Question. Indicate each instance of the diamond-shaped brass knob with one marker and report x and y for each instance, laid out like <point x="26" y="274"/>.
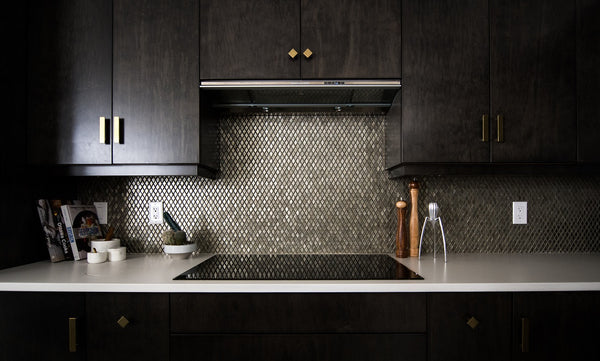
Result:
<point x="472" y="322"/>
<point x="123" y="322"/>
<point x="307" y="53"/>
<point x="293" y="53"/>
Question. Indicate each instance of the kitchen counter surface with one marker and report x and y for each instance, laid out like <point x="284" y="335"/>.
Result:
<point x="462" y="273"/>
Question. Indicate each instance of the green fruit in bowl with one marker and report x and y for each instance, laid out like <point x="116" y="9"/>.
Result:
<point x="174" y="238"/>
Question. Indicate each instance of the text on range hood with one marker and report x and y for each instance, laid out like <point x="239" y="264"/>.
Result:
<point x="301" y="95"/>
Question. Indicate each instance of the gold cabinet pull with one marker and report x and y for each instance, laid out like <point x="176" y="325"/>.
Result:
<point x="473" y="322"/>
<point x="102" y="130"/>
<point x="293" y="53"/>
<point x="500" y="128"/>
<point x="72" y="334"/>
<point x="117" y="130"/>
<point x="524" y="334"/>
<point x="123" y="322"/>
<point x="485" y="131"/>
<point x="307" y="53"/>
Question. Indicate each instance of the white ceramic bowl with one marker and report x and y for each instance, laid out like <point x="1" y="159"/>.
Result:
<point x="97" y="257"/>
<point x="180" y="251"/>
<point x="102" y="246"/>
<point x="117" y="254"/>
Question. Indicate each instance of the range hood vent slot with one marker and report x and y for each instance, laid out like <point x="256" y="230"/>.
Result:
<point x="304" y="95"/>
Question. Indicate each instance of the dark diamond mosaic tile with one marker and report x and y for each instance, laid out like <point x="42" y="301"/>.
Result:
<point x="315" y="183"/>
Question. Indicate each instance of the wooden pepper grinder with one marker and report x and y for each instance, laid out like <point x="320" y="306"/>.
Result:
<point x="401" y="236"/>
<point x="414" y="218"/>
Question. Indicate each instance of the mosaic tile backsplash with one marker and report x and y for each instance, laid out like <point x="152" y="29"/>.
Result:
<point x="315" y="183"/>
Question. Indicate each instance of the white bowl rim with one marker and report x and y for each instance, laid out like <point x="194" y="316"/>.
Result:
<point x="180" y="248"/>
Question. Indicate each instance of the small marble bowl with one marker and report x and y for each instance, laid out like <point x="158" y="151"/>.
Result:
<point x="97" y="257"/>
<point x="180" y="251"/>
<point x="102" y="246"/>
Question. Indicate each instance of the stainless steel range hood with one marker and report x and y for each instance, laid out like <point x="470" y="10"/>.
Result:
<point x="365" y="96"/>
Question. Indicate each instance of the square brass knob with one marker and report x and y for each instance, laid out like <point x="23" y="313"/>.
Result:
<point x="307" y="53"/>
<point x="292" y="53"/>
<point x="123" y="322"/>
<point x="472" y="322"/>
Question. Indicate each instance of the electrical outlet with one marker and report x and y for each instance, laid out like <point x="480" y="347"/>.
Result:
<point x="519" y="212"/>
<point x="156" y="213"/>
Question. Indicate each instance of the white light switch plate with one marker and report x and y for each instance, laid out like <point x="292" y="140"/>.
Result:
<point x="519" y="212"/>
<point x="102" y="210"/>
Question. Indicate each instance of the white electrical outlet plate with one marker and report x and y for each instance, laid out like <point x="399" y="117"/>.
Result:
<point x="156" y="213"/>
<point x="519" y="212"/>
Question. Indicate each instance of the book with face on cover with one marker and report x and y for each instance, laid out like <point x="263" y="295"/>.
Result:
<point x="82" y="227"/>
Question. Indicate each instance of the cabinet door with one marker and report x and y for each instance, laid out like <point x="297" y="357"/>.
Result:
<point x="558" y="326"/>
<point x="249" y="39"/>
<point x="533" y="80"/>
<point x="351" y="39"/>
<point x="145" y="335"/>
<point x="155" y="81"/>
<point x="69" y="81"/>
<point x="35" y="326"/>
<point x="588" y="79"/>
<point x="445" y="82"/>
<point x="469" y="326"/>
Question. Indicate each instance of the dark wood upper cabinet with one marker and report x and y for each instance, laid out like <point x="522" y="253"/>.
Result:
<point x="533" y="80"/>
<point x="445" y="81"/>
<point x="155" y="87"/>
<point x="588" y="80"/>
<point x="69" y="81"/>
<point x="253" y="39"/>
<point x="249" y="39"/>
<point x="496" y="89"/>
<point x="133" y="61"/>
<point x="351" y="39"/>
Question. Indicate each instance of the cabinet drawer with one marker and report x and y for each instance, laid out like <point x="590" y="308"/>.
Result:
<point x="315" y="312"/>
<point x="145" y="334"/>
<point x="299" y="347"/>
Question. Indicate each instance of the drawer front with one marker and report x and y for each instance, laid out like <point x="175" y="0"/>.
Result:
<point x="145" y="334"/>
<point x="315" y="312"/>
<point x="301" y="347"/>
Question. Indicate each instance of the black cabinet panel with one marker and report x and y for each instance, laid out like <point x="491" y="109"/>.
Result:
<point x="145" y="337"/>
<point x="588" y="79"/>
<point x="35" y="326"/>
<point x="69" y="81"/>
<point x="351" y="39"/>
<point x="155" y="81"/>
<point x="560" y="326"/>
<point x="249" y="39"/>
<point x="445" y="81"/>
<point x="533" y="80"/>
<point x="354" y="312"/>
<point x="302" y="347"/>
<point x="469" y="326"/>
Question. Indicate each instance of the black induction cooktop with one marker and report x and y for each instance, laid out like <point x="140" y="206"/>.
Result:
<point x="300" y="267"/>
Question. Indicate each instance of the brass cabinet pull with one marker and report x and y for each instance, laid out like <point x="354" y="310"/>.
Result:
<point x="500" y="128"/>
<point x="293" y="53"/>
<point x="117" y="130"/>
<point x="473" y="322"/>
<point x="102" y="130"/>
<point x="524" y="334"/>
<point x="485" y="123"/>
<point x="72" y="334"/>
<point x="123" y="322"/>
<point x="307" y="53"/>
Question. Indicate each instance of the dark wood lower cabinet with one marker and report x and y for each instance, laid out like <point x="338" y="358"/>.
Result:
<point x="469" y="326"/>
<point x="556" y="326"/>
<point x="300" y="347"/>
<point x="35" y="326"/>
<point x="145" y="334"/>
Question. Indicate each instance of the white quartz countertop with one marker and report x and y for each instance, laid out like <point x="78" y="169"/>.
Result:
<point x="462" y="273"/>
